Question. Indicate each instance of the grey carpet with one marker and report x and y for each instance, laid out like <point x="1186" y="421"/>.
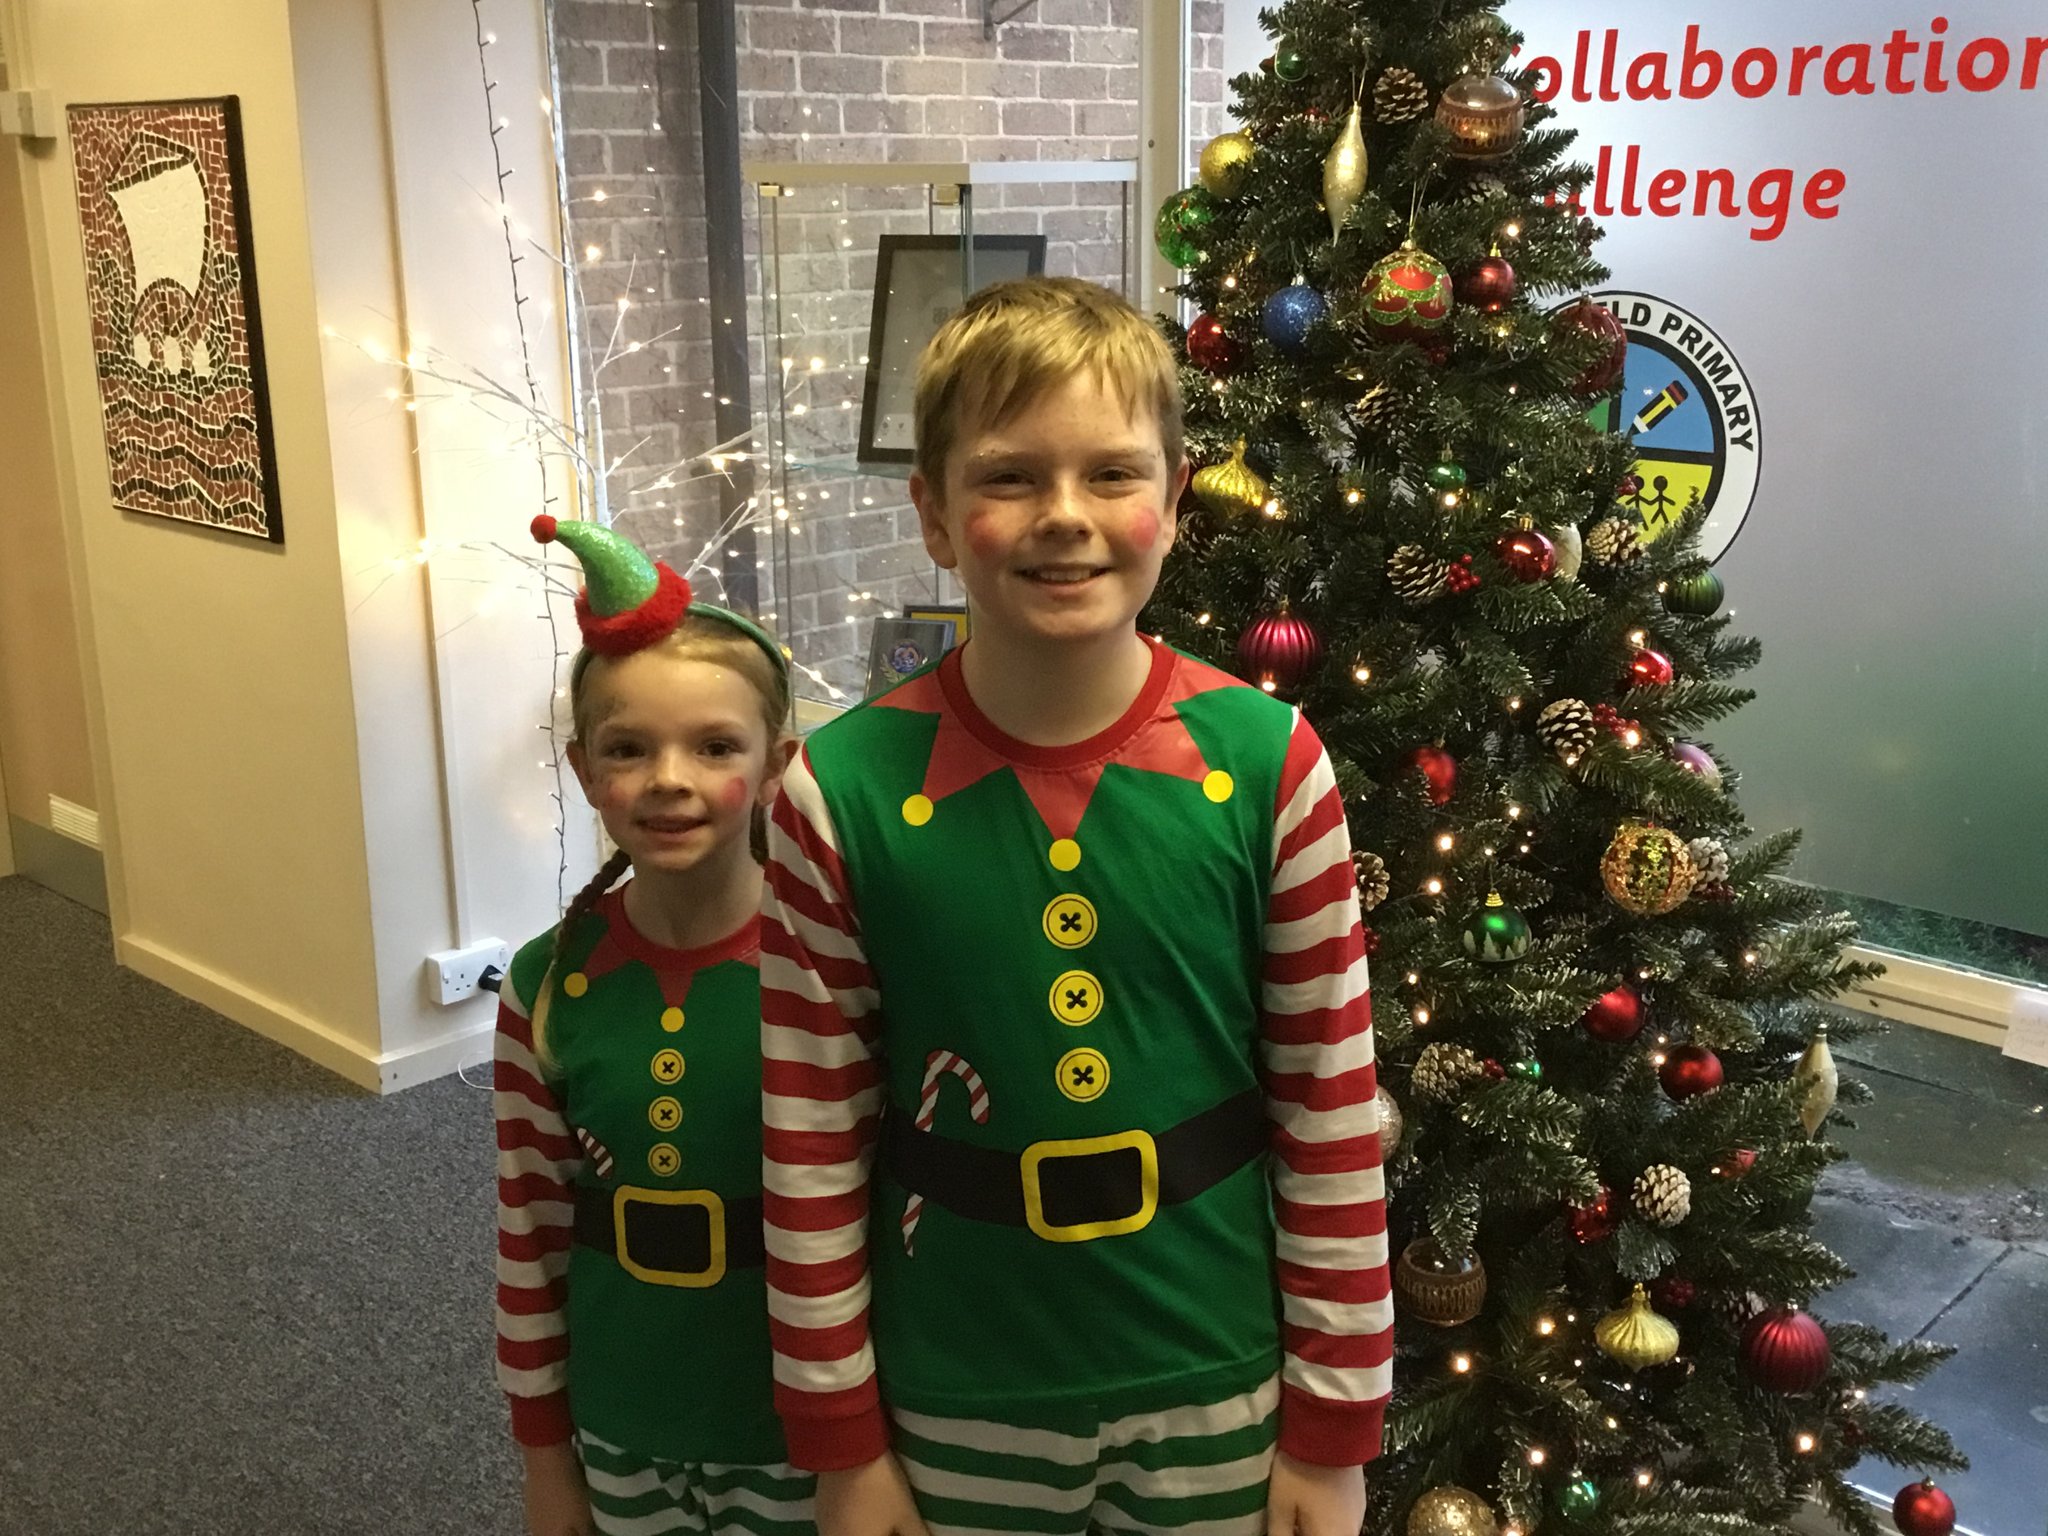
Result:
<point x="236" y="1294"/>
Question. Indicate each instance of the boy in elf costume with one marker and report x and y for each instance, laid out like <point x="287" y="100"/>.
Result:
<point x="1073" y="1199"/>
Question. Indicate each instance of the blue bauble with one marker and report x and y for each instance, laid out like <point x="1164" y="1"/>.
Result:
<point x="1289" y="316"/>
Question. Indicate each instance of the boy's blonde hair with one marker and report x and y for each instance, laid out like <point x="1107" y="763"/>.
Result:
<point x="697" y="638"/>
<point x="1013" y="341"/>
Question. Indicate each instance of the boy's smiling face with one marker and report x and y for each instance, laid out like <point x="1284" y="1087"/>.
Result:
<point x="1057" y="520"/>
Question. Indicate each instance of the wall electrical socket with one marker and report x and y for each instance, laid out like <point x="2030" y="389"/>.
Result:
<point x="28" y="114"/>
<point x="453" y="974"/>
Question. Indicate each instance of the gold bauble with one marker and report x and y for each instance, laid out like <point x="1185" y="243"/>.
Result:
<point x="1635" y="1335"/>
<point x="1484" y="114"/>
<point x="1819" y="1083"/>
<point x="1227" y="164"/>
<point x="1452" y="1511"/>
<point x="1648" y="869"/>
<point x="1232" y="486"/>
<point x="1571" y="551"/>
<point x="1439" y="1291"/>
<point x="1344" y="172"/>
<point x="1391" y="1126"/>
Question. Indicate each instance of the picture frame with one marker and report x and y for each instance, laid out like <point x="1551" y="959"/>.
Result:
<point x="953" y="615"/>
<point x="170" y="268"/>
<point x="899" y="647"/>
<point x="918" y="284"/>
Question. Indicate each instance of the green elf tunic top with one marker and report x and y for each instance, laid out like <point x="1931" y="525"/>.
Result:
<point x="1046" y="1031"/>
<point x="631" y="1298"/>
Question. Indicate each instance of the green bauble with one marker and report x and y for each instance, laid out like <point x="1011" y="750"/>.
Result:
<point x="1447" y="475"/>
<point x="1696" y="595"/>
<point x="1289" y="62"/>
<point x="1579" y="1498"/>
<point x="1530" y="1071"/>
<point x="1498" y="934"/>
<point x="1181" y="217"/>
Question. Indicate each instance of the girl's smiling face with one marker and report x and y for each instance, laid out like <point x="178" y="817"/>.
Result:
<point x="675" y="759"/>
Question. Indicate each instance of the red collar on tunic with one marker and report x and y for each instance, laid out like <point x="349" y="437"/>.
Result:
<point x="1150" y="736"/>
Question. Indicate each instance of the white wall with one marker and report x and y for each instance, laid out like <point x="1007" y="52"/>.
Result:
<point x="273" y="727"/>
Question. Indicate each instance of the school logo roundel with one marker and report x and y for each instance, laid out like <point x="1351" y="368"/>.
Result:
<point x="1688" y="408"/>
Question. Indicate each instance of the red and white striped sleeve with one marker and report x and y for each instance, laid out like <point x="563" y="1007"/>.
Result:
<point x="1329" y="1198"/>
<point x="538" y="1158"/>
<point x="821" y="1102"/>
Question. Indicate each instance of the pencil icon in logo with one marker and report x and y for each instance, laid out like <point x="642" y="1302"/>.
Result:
<point x="1671" y="399"/>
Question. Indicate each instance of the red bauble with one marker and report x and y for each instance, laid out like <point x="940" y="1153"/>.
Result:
<point x="1785" y="1350"/>
<point x="1527" y="554"/>
<point x="1439" y="767"/>
<point x="1597" y="320"/>
<point x="1490" y="285"/>
<point x="1596" y="1222"/>
<point x="1649" y="669"/>
<point x="1279" y="649"/>
<point x="1735" y="1162"/>
<point x="1674" y="1293"/>
<point x="1617" y="1016"/>
<point x="1690" y="1070"/>
<point x="1921" y="1509"/>
<point x="1408" y="298"/>
<point x="1630" y="485"/>
<point x="1212" y="348"/>
<point x="1494" y="1069"/>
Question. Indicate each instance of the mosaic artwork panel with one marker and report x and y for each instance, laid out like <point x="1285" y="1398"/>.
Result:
<point x="177" y="343"/>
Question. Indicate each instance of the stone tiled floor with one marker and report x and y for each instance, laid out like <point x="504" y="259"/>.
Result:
<point x="1944" y="1216"/>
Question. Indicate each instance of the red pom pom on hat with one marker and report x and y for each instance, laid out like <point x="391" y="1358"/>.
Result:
<point x="544" y="529"/>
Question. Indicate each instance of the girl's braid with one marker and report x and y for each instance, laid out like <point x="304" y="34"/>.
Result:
<point x="606" y="877"/>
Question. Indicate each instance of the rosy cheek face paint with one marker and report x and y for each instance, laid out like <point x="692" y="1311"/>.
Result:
<point x="1142" y="528"/>
<point x="733" y="795"/>
<point x="984" y="536"/>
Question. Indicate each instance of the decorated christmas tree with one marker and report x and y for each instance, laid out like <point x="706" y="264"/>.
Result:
<point x="1601" y="1004"/>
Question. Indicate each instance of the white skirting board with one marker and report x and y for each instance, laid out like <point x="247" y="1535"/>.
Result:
<point x="379" y="1073"/>
<point x="1969" y="1004"/>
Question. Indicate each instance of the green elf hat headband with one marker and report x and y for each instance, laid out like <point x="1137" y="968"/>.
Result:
<point x="629" y="602"/>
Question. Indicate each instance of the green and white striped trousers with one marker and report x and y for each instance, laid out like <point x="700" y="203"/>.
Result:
<point x="1198" y="1471"/>
<point x="633" y="1496"/>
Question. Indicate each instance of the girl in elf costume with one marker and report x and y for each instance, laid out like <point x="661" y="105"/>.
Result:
<point x="632" y="1312"/>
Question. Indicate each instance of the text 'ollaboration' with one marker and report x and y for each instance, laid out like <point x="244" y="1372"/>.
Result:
<point x="1904" y="64"/>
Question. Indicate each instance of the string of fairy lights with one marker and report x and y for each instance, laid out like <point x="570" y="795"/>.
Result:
<point x="429" y="377"/>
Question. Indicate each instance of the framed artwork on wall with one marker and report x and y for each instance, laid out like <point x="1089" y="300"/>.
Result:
<point x="170" y="277"/>
<point x="918" y="283"/>
<point x="899" y="647"/>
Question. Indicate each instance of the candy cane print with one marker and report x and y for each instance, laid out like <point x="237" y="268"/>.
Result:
<point x="595" y="1151"/>
<point x="937" y="1067"/>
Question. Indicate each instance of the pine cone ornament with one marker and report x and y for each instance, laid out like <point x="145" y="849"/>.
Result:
<point x="1663" y="1195"/>
<point x="1712" y="857"/>
<point x="1613" y="542"/>
<point x="1378" y="411"/>
<point x="1480" y="188"/>
<point x="1416" y="575"/>
<point x="1566" y="727"/>
<point x="1400" y="97"/>
<point x="1373" y="883"/>
<point x="1736" y="1308"/>
<point x="1444" y="1071"/>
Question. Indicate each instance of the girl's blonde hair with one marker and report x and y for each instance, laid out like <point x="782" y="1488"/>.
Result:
<point x="699" y="637"/>
<point x="1013" y="341"/>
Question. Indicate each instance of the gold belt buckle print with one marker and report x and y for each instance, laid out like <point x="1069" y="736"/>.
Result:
<point x="1036" y="1156"/>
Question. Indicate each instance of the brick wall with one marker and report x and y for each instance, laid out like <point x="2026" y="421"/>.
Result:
<point x="847" y="80"/>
